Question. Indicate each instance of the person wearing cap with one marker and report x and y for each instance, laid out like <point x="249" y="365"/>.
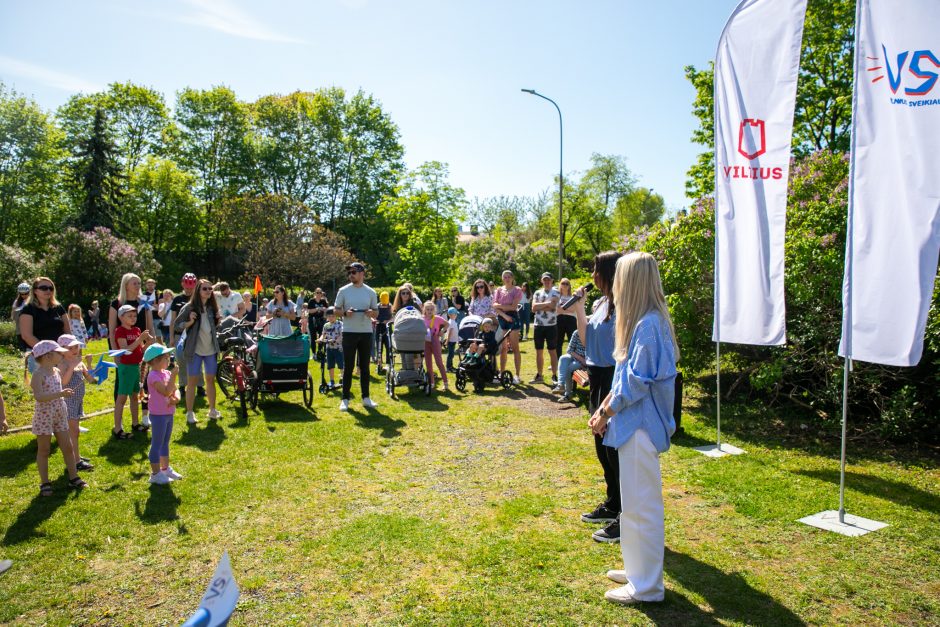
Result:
<point x="544" y="306"/>
<point x="359" y="304"/>
<point x="22" y="294"/>
<point x="161" y="379"/>
<point x="130" y="294"/>
<point x="188" y="285"/>
<point x="332" y="338"/>
<point x="74" y="373"/>
<point x="130" y="338"/>
<point x="198" y="318"/>
<point x="42" y="317"/>
<point x="50" y="416"/>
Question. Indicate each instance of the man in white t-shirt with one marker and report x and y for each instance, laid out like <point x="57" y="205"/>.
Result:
<point x="544" y="304"/>
<point x="230" y="302"/>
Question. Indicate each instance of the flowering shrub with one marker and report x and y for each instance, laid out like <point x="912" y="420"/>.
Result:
<point x="487" y="257"/>
<point x="807" y="371"/>
<point x="88" y="265"/>
<point x="16" y="266"/>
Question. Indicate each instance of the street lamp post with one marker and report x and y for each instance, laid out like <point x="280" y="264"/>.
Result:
<point x="561" y="182"/>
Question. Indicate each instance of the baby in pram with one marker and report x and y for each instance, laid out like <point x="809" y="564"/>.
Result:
<point x="483" y="344"/>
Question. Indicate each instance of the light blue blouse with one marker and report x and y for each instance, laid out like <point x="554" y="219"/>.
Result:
<point x="643" y="390"/>
<point x="599" y="336"/>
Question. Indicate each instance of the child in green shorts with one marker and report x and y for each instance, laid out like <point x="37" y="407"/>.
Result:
<point x="130" y="338"/>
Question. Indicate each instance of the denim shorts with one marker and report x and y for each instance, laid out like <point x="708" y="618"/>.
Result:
<point x="198" y="362"/>
<point x="334" y="359"/>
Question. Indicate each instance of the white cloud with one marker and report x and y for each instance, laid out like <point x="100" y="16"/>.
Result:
<point x="45" y="76"/>
<point x="225" y="17"/>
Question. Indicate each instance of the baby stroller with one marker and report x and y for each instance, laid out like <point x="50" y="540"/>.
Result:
<point x="482" y="372"/>
<point x="408" y="333"/>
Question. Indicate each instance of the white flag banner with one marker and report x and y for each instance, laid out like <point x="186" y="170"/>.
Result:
<point x="894" y="199"/>
<point x="756" y="70"/>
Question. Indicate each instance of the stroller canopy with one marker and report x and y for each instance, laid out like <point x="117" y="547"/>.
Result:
<point x="468" y="327"/>
<point x="409" y="331"/>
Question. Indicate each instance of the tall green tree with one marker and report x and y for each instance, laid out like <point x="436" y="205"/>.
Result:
<point x="424" y="213"/>
<point x="138" y="118"/>
<point x="100" y="177"/>
<point x="641" y="207"/>
<point x="31" y="156"/>
<point x="823" y="113"/>
<point x="161" y="208"/>
<point x="214" y="144"/>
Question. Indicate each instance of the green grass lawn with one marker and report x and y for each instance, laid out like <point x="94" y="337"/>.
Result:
<point x="457" y="509"/>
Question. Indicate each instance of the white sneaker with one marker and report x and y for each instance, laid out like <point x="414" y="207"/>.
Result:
<point x="214" y="414"/>
<point x="191" y="418"/>
<point x="516" y="381"/>
<point x="344" y="405"/>
<point x="172" y="474"/>
<point x="160" y="478"/>
<point x="617" y="576"/>
<point x="369" y="403"/>
<point x="146" y="419"/>
<point x="82" y="429"/>
<point x="621" y="596"/>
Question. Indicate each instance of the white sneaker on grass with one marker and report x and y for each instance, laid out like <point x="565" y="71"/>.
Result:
<point x="172" y="474"/>
<point x="214" y="414"/>
<point x="191" y="418"/>
<point x="621" y="595"/>
<point x="146" y="419"/>
<point x="82" y="429"/>
<point x="369" y="403"/>
<point x="344" y="405"/>
<point x="617" y="576"/>
<point x="160" y="478"/>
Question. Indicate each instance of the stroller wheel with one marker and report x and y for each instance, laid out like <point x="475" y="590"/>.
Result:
<point x="460" y="382"/>
<point x="505" y="380"/>
<point x="308" y="391"/>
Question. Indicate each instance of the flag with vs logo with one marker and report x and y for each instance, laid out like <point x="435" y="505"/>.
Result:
<point x="894" y="182"/>
<point x="756" y="70"/>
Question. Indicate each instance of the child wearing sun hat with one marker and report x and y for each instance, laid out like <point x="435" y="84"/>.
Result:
<point x="164" y="397"/>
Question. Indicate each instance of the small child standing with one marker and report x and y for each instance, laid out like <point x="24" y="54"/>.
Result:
<point x="575" y="358"/>
<point x="77" y="324"/>
<point x="451" y="337"/>
<point x="164" y="397"/>
<point x="332" y="336"/>
<point x="51" y="415"/>
<point x="436" y="329"/>
<point x="74" y="373"/>
<point x="130" y="338"/>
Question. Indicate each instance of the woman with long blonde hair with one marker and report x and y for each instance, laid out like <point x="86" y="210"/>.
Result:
<point x="636" y="419"/>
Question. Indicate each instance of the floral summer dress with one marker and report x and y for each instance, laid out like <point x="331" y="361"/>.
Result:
<point x="50" y="416"/>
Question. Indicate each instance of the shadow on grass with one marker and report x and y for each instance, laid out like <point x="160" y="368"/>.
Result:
<point x="278" y="410"/>
<point x="124" y="452"/>
<point x="417" y="400"/>
<point x="14" y="461"/>
<point x="208" y="438"/>
<point x="160" y="506"/>
<point x="903" y="494"/>
<point x="732" y="599"/>
<point x="374" y="419"/>
<point x="39" y="509"/>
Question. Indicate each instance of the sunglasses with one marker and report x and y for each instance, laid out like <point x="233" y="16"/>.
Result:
<point x="205" y="289"/>
<point x="44" y="288"/>
<point x="479" y="287"/>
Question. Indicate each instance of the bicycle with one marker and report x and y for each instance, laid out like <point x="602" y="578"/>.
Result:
<point x="236" y="373"/>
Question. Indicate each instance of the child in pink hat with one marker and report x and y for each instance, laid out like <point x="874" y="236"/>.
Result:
<point x="74" y="374"/>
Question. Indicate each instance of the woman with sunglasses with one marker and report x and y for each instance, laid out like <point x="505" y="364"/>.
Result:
<point x="441" y="304"/>
<point x="282" y="312"/>
<point x="567" y="320"/>
<point x="481" y="302"/>
<point x="199" y="318"/>
<point x="42" y="317"/>
<point x="405" y="297"/>
<point x="316" y="312"/>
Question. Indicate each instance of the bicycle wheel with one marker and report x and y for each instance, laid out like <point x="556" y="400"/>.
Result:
<point x="225" y="376"/>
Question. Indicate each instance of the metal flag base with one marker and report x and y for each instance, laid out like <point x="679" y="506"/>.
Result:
<point x="719" y="450"/>
<point x="853" y="526"/>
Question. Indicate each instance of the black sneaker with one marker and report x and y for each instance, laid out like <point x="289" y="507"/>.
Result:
<point x="83" y="465"/>
<point x="554" y="380"/>
<point x="610" y="533"/>
<point x="600" y="515"/>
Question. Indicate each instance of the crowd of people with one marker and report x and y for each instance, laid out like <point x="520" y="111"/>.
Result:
<point x="166" y="351"/>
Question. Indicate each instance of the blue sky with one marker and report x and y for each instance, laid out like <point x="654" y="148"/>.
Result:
<point x="449" y="73"/>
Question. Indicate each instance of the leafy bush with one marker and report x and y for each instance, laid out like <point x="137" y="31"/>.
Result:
<point x="897" y="402"/>
<point x="88" y="265"/>
<point x="487" y="257"/>
<point x="16" y="266"/>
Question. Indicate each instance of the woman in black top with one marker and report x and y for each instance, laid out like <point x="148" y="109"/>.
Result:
<point x="42" y="317"/>
<point x="567" y="321"/>
<point x="94" y="320"/>
<point x="316" y="310"/>
<point x="459" y="303"/>
<point x="251" y="312"/>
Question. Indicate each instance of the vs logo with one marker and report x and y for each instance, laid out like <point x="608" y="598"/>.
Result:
<point x="752" y="138"/>
<point x="919" y="66"/>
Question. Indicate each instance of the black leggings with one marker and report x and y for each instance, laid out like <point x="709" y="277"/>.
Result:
<point x="566" y="325"/>
<point x="601" y="378"/>
<point x="356" y="344"/>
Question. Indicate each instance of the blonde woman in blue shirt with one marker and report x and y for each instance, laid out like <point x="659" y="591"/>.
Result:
<point x="636" y="419"/>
